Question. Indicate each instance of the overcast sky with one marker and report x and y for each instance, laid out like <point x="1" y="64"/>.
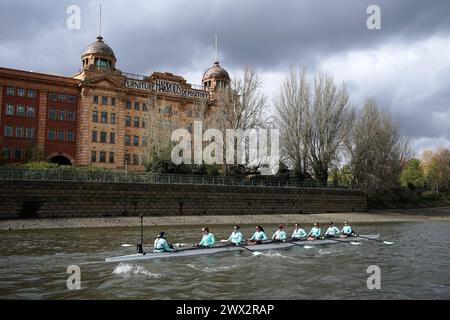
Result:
<point x="405" y="66"/>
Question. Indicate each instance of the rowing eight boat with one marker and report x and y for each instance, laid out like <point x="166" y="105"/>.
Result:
<point x="189" y="252"/>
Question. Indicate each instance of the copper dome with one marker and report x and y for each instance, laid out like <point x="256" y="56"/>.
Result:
<point x="99" y="47"/>
<point x="216" y="71"/>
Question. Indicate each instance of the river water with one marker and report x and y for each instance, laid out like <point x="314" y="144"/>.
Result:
<point x="33" y="265"/>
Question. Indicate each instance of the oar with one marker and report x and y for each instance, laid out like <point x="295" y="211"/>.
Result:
<point x="300" y="245"/>
<point x="385" y="242"/>
<point x="255" y="253"/>
<point x="334" y="239"/>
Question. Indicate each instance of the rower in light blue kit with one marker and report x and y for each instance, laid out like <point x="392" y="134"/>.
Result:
<point x="347" y="231"/>
<point x="207" y="239"/>
<point x="315" y="232"/>
<point x="298" y="233"/>
<point x="235" y="237"/>
<point x="332" y="231"/>
<point x="161" y="244"/>
<point x="280" y="234"/>
<point x="258" y="236"/>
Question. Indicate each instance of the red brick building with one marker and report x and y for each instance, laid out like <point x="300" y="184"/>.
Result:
<point x="101" y="115"/>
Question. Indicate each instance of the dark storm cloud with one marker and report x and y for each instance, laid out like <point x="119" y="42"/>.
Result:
<point x="178" y="36"/>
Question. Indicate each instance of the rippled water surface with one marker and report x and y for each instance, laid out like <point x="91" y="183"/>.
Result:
<point x="33" y="265"/>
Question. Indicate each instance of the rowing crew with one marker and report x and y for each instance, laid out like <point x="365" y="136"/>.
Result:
<point x="236" y="237"/>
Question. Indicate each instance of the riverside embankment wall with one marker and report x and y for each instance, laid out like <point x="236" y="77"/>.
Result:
<point x="48" y="199"/>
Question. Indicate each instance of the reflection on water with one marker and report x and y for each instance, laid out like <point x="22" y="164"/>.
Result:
<point x="33" y="265"/>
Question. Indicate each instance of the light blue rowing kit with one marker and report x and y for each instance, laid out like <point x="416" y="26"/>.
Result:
<point x="332" y="231"/>
<point x="315" y="232"/>
<point x="298" y="233"/>
<point x="259" y="235"/>
<point x="347" y="230"/>
<point x="236" y="237"/>
<point x="279" y="235"/>
<point x="161" y="245"/>
<point x="207" y="240"/>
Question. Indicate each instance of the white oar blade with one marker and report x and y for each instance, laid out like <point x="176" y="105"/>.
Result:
<point x="387" y="242"/>
<point x="223" y="240"/>
<point x="307" y="247"/>
<point x="355" y="243"/>
<point x="256" y="253"/>
<point x="126" y="245"/>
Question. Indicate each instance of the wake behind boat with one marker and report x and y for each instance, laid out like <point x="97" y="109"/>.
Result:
<point x="189" y="252"/>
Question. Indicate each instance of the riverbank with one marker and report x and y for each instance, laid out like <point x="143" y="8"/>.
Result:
<point x="395" y="215"/>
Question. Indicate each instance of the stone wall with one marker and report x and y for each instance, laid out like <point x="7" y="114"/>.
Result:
<point x="47" y="199"/>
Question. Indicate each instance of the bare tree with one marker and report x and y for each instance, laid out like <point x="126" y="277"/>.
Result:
<point x="329" y="119"/>
<point x="377" y="150"/>
<point x="242" y="106"/>
<point x="291" y="106"/>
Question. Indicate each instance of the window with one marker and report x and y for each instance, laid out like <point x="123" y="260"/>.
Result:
<point x="112" y="118"/>
<point x="9" y="110"/>
<point x="104" y="100"/>
<point x="20" y="110"/>
<point x="62" y="115"/>
<point x="71" y="116"/>
<point x="51" y="134"/>
<point x="128" y="104"/>
<point x="127" y="140"/>
<point x="136" y="122"/>
<point x="95" y="99"/>
<point x="70" y="136"/>
<point x="6" y="153"/>
<point x="144" y="123"/>
<point x="94" y="116"/>
<point x="103" y="137"/>
<point x="137" y="106"/>
<point x="104" y="117"/>
<point x="127" y="158"/>
<point x="144" y="107"/>
<point x="31" y="93"/>
<point x="30" y="112"/>
<point x="62" y="97"/>
<point x="60" y="135"/>
<point x="19" y="132"/>
<point x="135" y="159"/>
<point x="10" y="91"/>
<point x="112" y="137"/>
<point x="52" y="96"/>
<point x="94" y="136"/>
<point x="93" y="156"/>
<point x="29" y="133"/>
<point x="8" y="130"/>
<point x="113" y="101"/>
<point x="111" y="157"/>
<point x="102" y="156"/>
<point x="144" y="141"/>
<point x="52" y="114"/>
<point x="128" y="121"/>
<point x="136" y="140"/>
<point x="168" y="110"/>
<point x="18" y="153"/>
<point x="71" y="99"/>
<point x="21" y="92"/>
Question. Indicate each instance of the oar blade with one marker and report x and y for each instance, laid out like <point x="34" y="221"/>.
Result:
<point x="307" y="247"/>
<point x="355" y="243"/>
<point x="388" y="242"/>
<point x="126" y="245"/>
<point x="257" y="253"/>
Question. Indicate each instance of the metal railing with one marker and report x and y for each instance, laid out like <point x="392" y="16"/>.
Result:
<point x="81" y="175"/>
